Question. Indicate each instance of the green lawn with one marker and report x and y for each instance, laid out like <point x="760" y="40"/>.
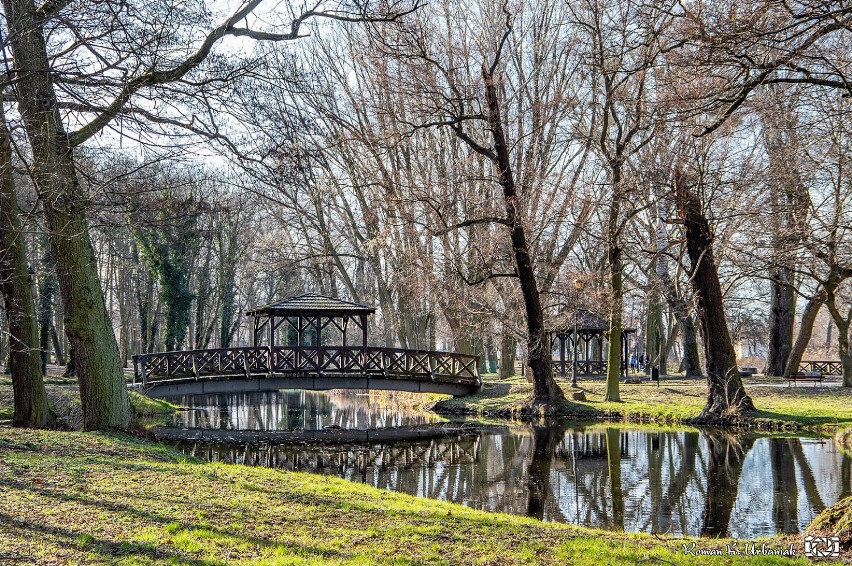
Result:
<point x="676" y="400"/>
<point x="89" y="498"/>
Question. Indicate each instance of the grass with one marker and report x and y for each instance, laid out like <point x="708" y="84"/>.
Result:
<point x="87" y="498"/>
<point x="676" y="400"/>
<point x="63" y="394"/>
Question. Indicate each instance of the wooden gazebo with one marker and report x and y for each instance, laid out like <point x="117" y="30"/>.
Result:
<point x="583" y="339"/>
<point x="311" y="321"/>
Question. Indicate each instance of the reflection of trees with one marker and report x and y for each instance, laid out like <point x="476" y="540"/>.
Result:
<point x="545" y="438"/>
<point x="296" y="410"/>
<point x="785" y="501"/>
<point x="613" y="460"/>
<point x="726" y="454"/>
<point x="606" y="477"/>
<point x="676" y="455"/>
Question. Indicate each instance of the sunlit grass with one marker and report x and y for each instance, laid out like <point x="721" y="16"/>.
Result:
<point x="88" y="498"/>
<point x="674" y="400"/>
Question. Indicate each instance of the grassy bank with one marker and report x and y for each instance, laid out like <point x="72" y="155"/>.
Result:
<point x="64" y="396"/>
<point x="89" y="498"/>
<point x="676" y="400"/>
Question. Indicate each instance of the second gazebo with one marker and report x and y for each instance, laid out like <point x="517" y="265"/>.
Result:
<point x="583" y="339"/>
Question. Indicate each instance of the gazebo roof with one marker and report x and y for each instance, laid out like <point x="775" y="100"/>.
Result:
<point x="312" y="304"/>
<point x="584" y="321"/>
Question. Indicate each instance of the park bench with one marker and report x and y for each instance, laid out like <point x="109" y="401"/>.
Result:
<point x="747" y="372"/>
<point x="815" y="376"/>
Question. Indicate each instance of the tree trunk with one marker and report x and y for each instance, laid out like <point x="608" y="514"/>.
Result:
<point x="30" y="400"/>
<point x="726" y="395"/>
<point x="57" y="346"/>
<point x="782" y="317"/>
<point x="845" y="357"/>
<point x="691" y="358"/>
<point x="546" y="392"/>
<point x="507" y="355"/>
<point x="803" y="338"/>
<point x="842" y="323"/>
<point x="102" y="389"/>
<point x="613" y="368"/>
<point x="46" y="299"/>
<point x="655" y="336"/>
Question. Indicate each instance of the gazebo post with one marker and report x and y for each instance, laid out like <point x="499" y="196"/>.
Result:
<point x="364" y="332"/>
<point x="270" y="332"/>
<point x="561" y="336"/>
<point x="574" y="343"/>
<point x="365" y="361"/>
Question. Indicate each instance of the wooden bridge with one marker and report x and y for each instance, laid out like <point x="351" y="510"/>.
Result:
<point x="307" y="342"/>
<point x="261" y="368"/>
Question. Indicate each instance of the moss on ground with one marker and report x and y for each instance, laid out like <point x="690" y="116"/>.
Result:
<point x="89" y="498"/>
<point x="676" y="400"/>
<point x="835" y="521"/>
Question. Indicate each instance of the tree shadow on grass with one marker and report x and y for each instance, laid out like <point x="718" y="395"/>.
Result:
<point x="85" y="543"/>
<point x="156" y="550"/>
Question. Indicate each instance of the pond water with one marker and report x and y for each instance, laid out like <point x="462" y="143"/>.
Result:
<point x="682" y="482"/>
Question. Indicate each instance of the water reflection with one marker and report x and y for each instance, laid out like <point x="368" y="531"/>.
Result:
<point x="709" y="483"/>
<point x="299" y="410"/>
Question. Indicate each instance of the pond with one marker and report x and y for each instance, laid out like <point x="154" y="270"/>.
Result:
<point x="682" y="482"/>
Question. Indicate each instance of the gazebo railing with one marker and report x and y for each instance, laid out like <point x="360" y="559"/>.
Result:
<point x="299" y="361"/>
<point x="584" y="367"/>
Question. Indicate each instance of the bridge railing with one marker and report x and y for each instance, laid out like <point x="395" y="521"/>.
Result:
<point x="825" y="367"/>
<point x="299" y="361"/>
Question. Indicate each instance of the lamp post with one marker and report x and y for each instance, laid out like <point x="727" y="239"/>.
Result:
<point x="578" y="286"/>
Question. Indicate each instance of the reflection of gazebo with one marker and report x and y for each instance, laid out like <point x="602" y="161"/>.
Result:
<point x="311" y="321"/>
<point x="583" y="339"/>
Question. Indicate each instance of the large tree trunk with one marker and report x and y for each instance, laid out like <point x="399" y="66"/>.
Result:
<point x="87" y="322"/>
<point x="803" y="338"/>
<point x="789" y="206"/>
<point x="30" y="401"/>
<point x="782" y="317"/>
<point x="726" y="395"/>
<point x="616" y="281"/>
<point x="842" y="323"/>
<point x="845" y="357"/>
<point x="546" y="392"/>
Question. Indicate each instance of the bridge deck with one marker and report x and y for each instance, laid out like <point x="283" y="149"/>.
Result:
<point x="260" y="368"/>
